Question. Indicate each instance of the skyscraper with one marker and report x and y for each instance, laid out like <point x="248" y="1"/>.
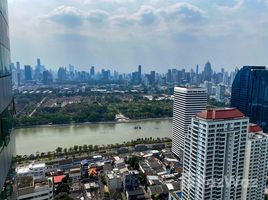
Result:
<point x="139" y="72"/>
<point x="220" y="92"/>
<point x="28" y="73"/>
<point x="197" y="70"/>
<point x="250" y="94"/>
<point x="188" y="101"/>
<point x="207" y="74"/>
<point x="214" y="155"/>
<point x="7" y="140"/>
<point x="92" y="71"/>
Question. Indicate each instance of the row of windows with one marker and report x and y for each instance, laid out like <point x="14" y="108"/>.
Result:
<point x="4" y="40"/>
<point x="3" y="8"/>
<point x="6" y="120"/>
<point x="4" y="61"/>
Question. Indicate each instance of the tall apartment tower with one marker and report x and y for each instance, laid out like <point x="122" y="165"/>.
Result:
<point x="7" y="140"/>
<point x="214" y="155"/>
<point x="256" y="163"/>
<point x="188" y="101"/>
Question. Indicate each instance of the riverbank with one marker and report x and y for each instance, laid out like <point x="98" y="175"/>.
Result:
<point x="84" y="123"/>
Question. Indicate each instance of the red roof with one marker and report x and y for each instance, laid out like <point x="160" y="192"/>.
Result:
<point x="253" y="128"/>
<point x="58" y="179"/>
<point x="221" y="113"/>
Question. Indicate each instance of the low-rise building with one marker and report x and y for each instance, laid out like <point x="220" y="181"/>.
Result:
<point x="38" y="189"/>
<point x="131" y="180"/>
<point x="158" y="192"/>
<point x="114" y="180"/>
<point x="38" y="171"/>
<point x="139" y="193"/>
<point x="141" y="147"/>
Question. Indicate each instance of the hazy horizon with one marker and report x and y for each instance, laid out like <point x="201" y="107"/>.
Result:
<point x="121" y="34"/>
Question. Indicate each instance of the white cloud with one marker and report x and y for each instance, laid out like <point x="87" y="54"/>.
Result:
<point x="129" y="32"/>
<point x="66" y="15"/>
<point x="186" y="11"/>
<point x="98" y="16"/>
<point x="237" y="5"/>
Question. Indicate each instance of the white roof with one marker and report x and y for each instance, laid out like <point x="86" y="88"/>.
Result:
<point x="153" y="177"/>
<point x="189" y="89"/>
<point x="170" y="186"/>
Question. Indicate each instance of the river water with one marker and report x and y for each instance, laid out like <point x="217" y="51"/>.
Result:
<point x="44" y="139"/>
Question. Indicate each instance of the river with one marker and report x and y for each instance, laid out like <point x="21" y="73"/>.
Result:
<point x="46" y="138"/>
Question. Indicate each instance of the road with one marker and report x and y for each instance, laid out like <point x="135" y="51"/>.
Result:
<point x="38" y="105"/>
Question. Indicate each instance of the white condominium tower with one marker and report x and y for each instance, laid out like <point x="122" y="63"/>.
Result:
<point x="188" y="101"/>
<point x="214" y="155"/>
<point x="256" y="163"/>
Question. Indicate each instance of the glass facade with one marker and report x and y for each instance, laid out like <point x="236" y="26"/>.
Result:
<point x="4" y="41"/>
<point x="7" y="141"/>
<point x="250" y="94"/>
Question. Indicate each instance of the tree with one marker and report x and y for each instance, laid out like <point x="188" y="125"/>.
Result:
<point x="85" y="147"/>
<point x="80" y="148"/>
<point x="59" y="150"/>
<point x="62" y="196"/>
<point x="134" y="162"/>
<point x="75" y="147"/>
<point x="103" y="180"/>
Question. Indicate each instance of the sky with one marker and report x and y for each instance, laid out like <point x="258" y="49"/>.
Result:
<point x="121" y="34"/>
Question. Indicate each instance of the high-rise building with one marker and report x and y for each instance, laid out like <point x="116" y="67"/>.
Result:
<point x="250" y="94"/>
<point x="47" y="77"/>
<point x="214" y="155"/>
<point x="169" y="77"/>
<point x="92" y="71"/>
<point x="139" y="72"/>
<point x="62" y="74"/>
<point x="7" y="139"/>
<point x="197" y="70"/>
<point x="207" y="74"/>
<point x="220" y="92"/>
<point x="208" y="85"/>
<point x="256" y="163"/>
<point x="28" y="73"/>
<point x="188" y="101"/>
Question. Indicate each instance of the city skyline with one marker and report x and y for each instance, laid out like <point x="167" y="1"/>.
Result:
<point x="184" y="33"/>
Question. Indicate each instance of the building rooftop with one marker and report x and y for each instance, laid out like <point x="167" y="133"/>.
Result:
<point x="220" y="113"/>
<point x="58" y="179"/>
<point x="189" y="89"/>
<point x="253" y="128"/>
<point x="25" y="181"/>
<point x="255" y="67"/>
<point x="30" y="167"/>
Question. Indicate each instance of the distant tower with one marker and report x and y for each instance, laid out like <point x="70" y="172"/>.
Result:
<point x="139" y="74"/>
<point x="187" y="103"/>
<point x="92" y="71"/>
<point x="28" y="72"/>
<point x="220" y="93"/>
<point x="38" y="62"/>
<point x="207" y="74"/>
<point x="18" y="65"/>
<point x="197" y="70"/>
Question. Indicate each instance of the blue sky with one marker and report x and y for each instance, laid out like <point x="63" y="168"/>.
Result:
<point x="158" y="34"/>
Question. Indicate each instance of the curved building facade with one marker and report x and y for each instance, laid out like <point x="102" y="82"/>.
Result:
<point x="7" y="140"/>
<point x="250" y="94"/>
